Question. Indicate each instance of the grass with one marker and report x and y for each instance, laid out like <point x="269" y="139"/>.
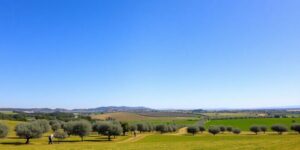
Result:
<point x="227" y="141"/>
<point x="121" y="116"/>
<point x="244" y="124"/>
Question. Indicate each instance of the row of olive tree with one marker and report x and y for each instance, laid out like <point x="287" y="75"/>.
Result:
<point x="279" y="128"/>
<point x="212" y="129"/>
<point x="164" y="128"/>
<point x="255" y="128"/>
<point x="35" y="129"/>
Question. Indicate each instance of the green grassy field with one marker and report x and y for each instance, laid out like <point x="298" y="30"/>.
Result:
<point x="244" y="124"/>
<point x="149" y="141"/>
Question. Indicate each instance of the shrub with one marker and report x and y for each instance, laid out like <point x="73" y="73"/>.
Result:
<point x="255" y="129"/>
<point x="279" y="128"/>
<point x="296" y="127"/>
<point x="192" y="129"/>
<point x="3" y="130"/>
<point x="214" y="130"/>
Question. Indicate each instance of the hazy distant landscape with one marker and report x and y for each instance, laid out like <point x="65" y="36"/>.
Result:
<point x="146" y="128"/>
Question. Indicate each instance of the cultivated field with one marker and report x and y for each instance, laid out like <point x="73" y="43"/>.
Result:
<point x="135" y="118"/>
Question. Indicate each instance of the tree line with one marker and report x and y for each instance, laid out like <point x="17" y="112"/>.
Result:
<point x="82" y="128"/>
<point x="254" y="128"/>
<point x="21" y="116"/>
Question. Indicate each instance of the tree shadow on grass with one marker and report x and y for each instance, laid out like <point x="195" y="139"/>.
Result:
<point x="12" y="137"/>
<point x="100" y="139"/>
<point x="95" y="140"/>
<point x="13" y="143"/>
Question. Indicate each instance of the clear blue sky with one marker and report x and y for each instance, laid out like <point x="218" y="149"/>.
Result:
<point x="154" y="53"/>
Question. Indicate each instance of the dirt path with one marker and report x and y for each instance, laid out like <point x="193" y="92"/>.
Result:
<point x="134" y="139"/>
<point x="138" y="137"/>
<point x="181" y="131"/>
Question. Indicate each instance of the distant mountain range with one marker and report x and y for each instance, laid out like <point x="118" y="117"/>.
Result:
<point x="88" y="110"/>
<point x="132" y="109"/>
<point x="115" y="109"/>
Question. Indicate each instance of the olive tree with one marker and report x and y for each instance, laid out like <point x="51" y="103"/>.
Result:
<point x="107" y="128"/>
<point x="55" y="125"/>
<point x="161" y="128"/>
<point x="60" y="135"/>
<point x="140" y="127"/>
<point x="229" y="129"/>
<point x="296" y="127"/>
<point x="214" y="130"/>
<point x="172" y="128"/>
<point x="192" y="129"/>
<point x="29" y="131"/>
<point x="201" y="128"/>
<point x="68" y="127"/>
<point x="254" y="129"/>
<point x="263" y="129"/>
<point x="132" y="128"/>
<point x="279" y="128"/>
<point x="81" y="128"/>
<point x="3" y="130"/>
<point x="125" y="127"/>
<point x="222" y="128"/>
<point x="150" y="127"/>
<point x="236" y="131"/>
<point x="44" y="124"/>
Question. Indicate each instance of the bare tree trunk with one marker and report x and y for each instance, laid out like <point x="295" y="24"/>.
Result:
<point x="27" y="141"/>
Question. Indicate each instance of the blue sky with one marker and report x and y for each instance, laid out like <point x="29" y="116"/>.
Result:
<point x="159" y="54"/>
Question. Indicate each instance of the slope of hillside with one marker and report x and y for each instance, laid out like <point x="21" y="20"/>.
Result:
<point x="121" y="116"/>
<point x="134" y="118"/>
